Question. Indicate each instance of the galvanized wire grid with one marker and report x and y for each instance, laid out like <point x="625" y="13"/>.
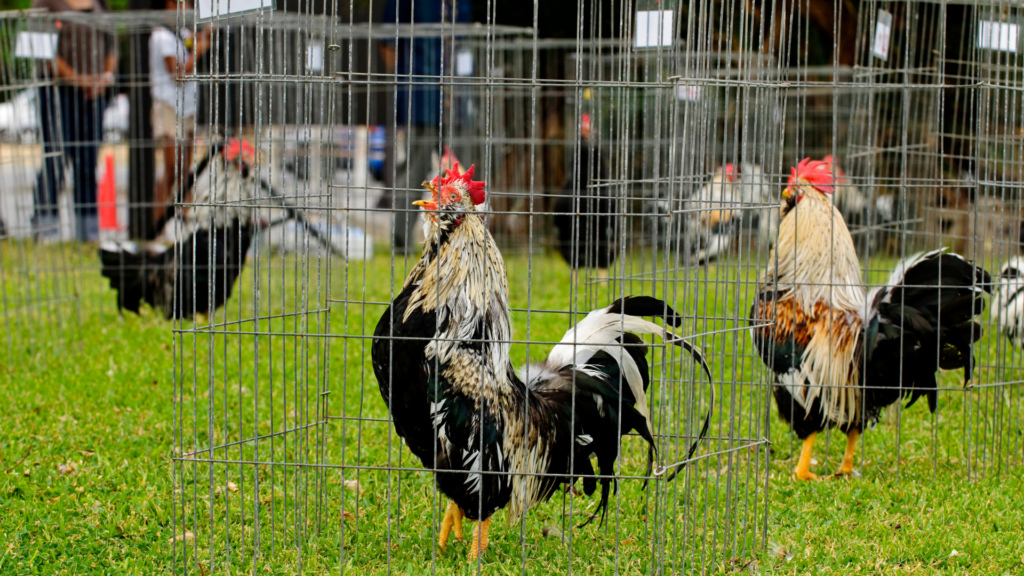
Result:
<point x="284" y="453"/>
<point x="275" y="396"/>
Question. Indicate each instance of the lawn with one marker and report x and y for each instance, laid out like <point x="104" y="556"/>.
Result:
<point x="238" y="446"/>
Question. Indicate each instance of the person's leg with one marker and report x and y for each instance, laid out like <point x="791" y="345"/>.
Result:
<point x="163" y="131"/>
<point x="88" y="128"/>
<point x="163" y="194"/>
<point x="46" y="219"/>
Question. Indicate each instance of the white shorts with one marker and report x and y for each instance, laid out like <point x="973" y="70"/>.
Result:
<point x="165" y="120"/>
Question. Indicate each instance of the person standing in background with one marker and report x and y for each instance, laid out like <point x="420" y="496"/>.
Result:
<point x="71" y="111"/>
<point x="170" y="57"/>
<point x="417" y="62"/>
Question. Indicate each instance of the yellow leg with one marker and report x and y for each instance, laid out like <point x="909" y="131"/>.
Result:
<point x="479" y="539"/>
<point x="452" y="519"/>
<point x="803" y="467"/>
<point x="851" y="446"/>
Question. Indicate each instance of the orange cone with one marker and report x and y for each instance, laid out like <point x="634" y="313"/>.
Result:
<point x="108" y="197"/>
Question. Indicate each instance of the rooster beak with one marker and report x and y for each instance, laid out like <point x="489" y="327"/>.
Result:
<point x="787" y="192"/>
<point x="427" y="204"/>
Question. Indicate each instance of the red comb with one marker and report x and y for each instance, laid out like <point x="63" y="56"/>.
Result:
<point x="817" y="173"/>
<point x="447" y="157"/>
<point x="455" y="174"/>
<point x="236" y="146"/>
<point x="729" y="171"/>
<point x="839" y="174"/>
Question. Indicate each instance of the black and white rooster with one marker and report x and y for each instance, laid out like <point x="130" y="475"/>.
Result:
<point x="1008" y="301"/>
<point x="217" y="231"/>
<point x="495" y="437"/>
<point x="733" y="201"/>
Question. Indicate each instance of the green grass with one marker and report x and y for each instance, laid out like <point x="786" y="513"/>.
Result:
<point x="81" y="386"/>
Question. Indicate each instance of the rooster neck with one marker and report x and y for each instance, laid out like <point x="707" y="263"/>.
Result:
<point x="461" y="278"/>
<point x="815" y="260"/>
<point x="219" y="196"/>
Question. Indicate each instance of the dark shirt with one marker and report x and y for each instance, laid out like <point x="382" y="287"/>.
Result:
<point x="85" y="48"/>
<point x="424" y="58"/>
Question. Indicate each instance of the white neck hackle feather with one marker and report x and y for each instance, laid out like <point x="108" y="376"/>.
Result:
<point x="817" y="265"/>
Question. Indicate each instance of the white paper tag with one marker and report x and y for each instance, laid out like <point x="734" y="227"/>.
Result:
<point x="688" y="93"/>
<point x="315" y="57"/>
<point x="212" y="8"/>
<point x="653" y="28"/>
<point x="41" y="45"/>
<point x="464" y="63"/>
<point x="998" y="36"/>
<point x="883" y="30"/>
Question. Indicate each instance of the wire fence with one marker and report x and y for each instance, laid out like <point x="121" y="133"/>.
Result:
<point x="646" y="157"/>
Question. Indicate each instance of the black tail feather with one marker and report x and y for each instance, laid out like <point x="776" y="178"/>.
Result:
<point x="646" y="306"/>
<point x="211" y="261"/>
<point x="219" y="257"/>
<point x="131" y="272"/>
<point x="923" y="323"/>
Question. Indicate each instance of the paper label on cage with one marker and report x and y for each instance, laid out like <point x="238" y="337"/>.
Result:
<point x="998" y="36"/>
<point x="42" y="45"/>
<point x="883" y="29"/>
<point x="688" y="93"/>
<point x="464" y="63"/>
<point x="653" y="28"/>
<point x="314" y="57"/>
<point x="212" y="8"/>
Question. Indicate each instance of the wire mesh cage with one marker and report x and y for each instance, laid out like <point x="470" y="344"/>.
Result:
<point x="915" y="144"/>
<point x="39" y="299"/>
<point x="285" y="448"/>
<point x="652" y="156"/>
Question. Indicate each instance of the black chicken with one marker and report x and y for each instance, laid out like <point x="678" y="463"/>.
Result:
<point x="585" y="215"/>
<point x="218" y="233"/>
<point x="496" y="438"/>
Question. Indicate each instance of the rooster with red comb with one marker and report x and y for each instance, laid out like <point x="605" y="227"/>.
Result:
<point x="841" y="354"/>
<point x="217" y="228"/>
<point x="495" y="437"/>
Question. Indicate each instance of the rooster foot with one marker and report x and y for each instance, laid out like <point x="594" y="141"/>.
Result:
<point x="452" y="519"/>
<point x="479" y="544"/>
<point x="803" y="467"/>
<point x="806" y="475"/>
<point x="845" y="473"/>
<point x="846" y="469"/>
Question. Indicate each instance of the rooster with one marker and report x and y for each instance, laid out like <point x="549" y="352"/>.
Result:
<point x="726" y="204"/>
<point x="217" y="232"/>
<point x="1008" y="300"/>
<point x="495" y="437"/>
<point x="841" y="355"/>
<point x="585" y="215"/>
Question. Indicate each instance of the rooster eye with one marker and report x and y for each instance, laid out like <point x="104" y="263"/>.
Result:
<point x="453" y="196"/>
